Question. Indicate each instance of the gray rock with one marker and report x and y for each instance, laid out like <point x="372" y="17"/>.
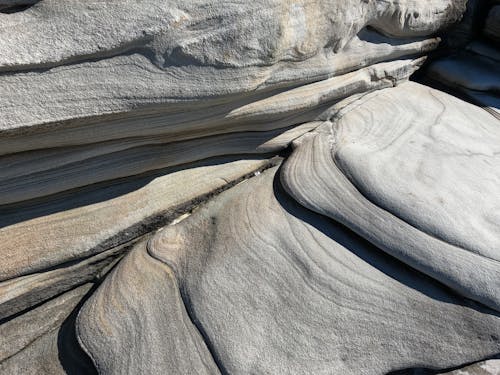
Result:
<point x="33" y="174"/>
<point x="418" y="179"/>
<point x="490" y="367"/>
<point x="274" y="288"/>
<point x="473" y="74"/>
<point x="38" y="238"/>
<point x="136" y="323"/>
<point x="206" y="32"/>
<point x="31" y="343"/>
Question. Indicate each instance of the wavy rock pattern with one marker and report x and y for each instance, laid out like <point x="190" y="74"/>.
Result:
<point x="274" y="288"/>
<point x="74" y="241"/>
<point x="33" y="174"/>
<point x="30" y="342"/>
<point x="138" y="310"/>
<point x="120" y="117"/>
<point x="362" y="169"/>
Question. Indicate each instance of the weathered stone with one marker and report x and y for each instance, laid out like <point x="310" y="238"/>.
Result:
<point x="418" y="179"/>
<point x="43" y="172"/>
<point x="274" y="288"/>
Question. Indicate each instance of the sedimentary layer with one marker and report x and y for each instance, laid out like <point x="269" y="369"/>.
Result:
<point x="404" y="177"/>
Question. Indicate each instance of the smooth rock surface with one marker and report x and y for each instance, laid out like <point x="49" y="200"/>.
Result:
<point x="275" y="288"/>
<point x="235" y="34"/>
<point x="138" y="323"/>
<point x="403" y="178"/>
<point x="70" y="64"/>
<point x="32" y="343"/>
<point x="76" y="227"/>
<point x="467" y="71"/>
<point x="33" y="174"/>
<point x="120" y="117"/>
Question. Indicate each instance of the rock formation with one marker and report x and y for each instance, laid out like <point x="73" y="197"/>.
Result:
<point x="249" y="187"/>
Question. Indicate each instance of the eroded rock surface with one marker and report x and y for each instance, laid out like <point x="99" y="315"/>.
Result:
<point x="403" y="179"/>
<point x="275" y="289"/>
<point x="121" y="117"/>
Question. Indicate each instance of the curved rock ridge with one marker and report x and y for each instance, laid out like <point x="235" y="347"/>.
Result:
<point x="136" y="323"/>
<point x="274" y="288"/>
<point x="419" y="180"/>
<point x="38" y="341"/>
<point x="201" y="32"/>
<point x="78" y="226"/>
<point x="147" y="224"/>
<point x="33" y="174"/>
<point x="126" y="96"/>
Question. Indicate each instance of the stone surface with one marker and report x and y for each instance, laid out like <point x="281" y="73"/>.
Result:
<point x="43" y="172"/>
<point x="34" y="342"/>
<point x="491" y="367"/>
<point x="275" y="288"/>
<point x="70" y="229"/>
<point x="121" y="117"/>
<point x="138" y="310"/>
<point x="404" y="177"/>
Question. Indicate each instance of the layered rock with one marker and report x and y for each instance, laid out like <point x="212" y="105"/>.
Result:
<point x="121" y="117"/>
<point x="403" y="179"/>
<point x="274" y="288"/>
<point x="262" y="126"/>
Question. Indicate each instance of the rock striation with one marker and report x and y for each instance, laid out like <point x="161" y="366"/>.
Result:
<point x="362" y="167"/>
<point x="143" y="223"/>
<point x="274" y="288"/>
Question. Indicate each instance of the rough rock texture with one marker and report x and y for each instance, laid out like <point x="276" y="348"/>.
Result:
<point x="44" y="172"/>
<point x="274" y="288"/>
<point x="403" y="178"/>
<point x="491" y="367"/>
<point x="120" y="117"/>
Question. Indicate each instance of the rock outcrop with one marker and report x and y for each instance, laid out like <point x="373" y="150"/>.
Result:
<point x="143" y="223"/>
<point x="403" y="179"/>
<point x="274" y="288"/>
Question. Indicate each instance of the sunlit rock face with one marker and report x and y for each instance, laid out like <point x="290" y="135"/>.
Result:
<point x="248" y="187"/>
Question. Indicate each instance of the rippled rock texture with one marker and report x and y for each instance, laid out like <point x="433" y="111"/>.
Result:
<point x="243" y="187"/>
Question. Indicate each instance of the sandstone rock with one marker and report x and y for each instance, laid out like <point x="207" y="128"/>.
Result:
<point x="137" y="323"/>
<point x="120" y="117"/>
<point x="32" y="174"/>
<point x="421" y="184"/>
<point x="47" y="235"/>
<point x="275" y="288"/>
<point x="33" y="343"/>
<point x="206" y="32"/>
